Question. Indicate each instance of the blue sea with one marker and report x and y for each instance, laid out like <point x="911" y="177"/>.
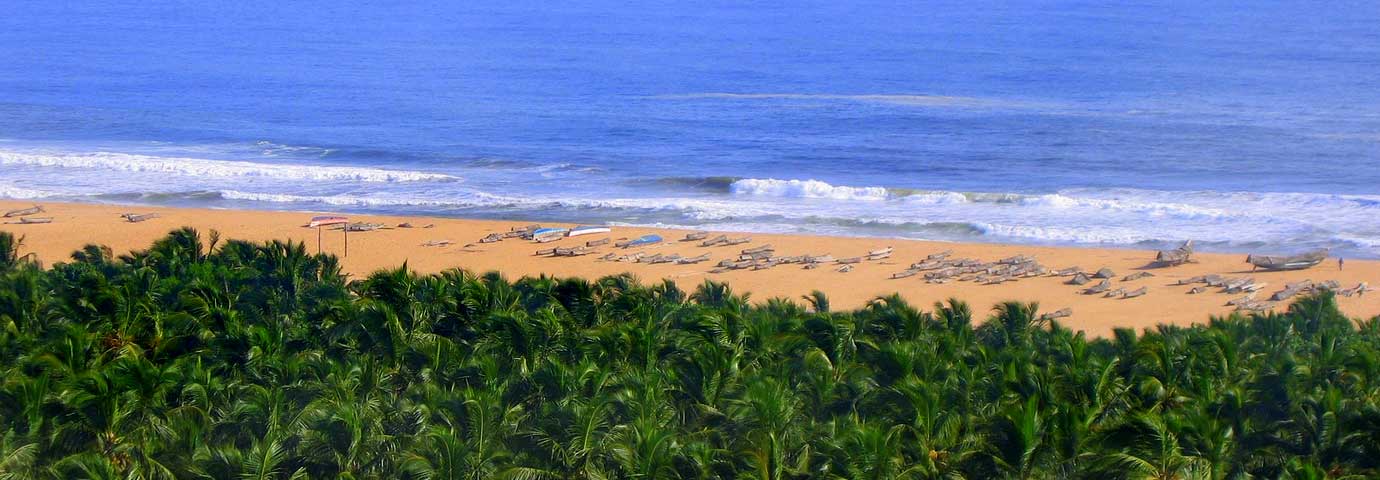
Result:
<point x="1248" y="126"/>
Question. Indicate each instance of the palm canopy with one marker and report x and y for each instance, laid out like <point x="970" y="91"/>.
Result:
<point x="206" y="359"/>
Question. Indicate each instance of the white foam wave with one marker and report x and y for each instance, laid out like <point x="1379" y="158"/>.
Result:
<point x="378" y="200"/>
<point x="197" y="167"/>
<point x="21" y="193"/>
<point x="1159" y="209"/>
<point x="1111" y="235"/>
<point x="935" y="198"/>
<point x="770" y="187"/>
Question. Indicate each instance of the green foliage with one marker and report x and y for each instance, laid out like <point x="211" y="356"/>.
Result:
<point x="207" y="359"/>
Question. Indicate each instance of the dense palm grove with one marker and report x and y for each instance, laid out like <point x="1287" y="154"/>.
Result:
<point x="202" y="359"/>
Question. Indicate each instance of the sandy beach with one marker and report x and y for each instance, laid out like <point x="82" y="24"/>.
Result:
<point x="75" y="225"/>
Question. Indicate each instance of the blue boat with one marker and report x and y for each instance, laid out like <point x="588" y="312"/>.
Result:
<point x="640" y="241"/>
<point x="543" y="235"/>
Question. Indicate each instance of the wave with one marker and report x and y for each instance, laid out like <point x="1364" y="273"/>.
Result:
<point x="771" y="187"/>
<point x="21" y="193"/>
<point x="1180" y="210"/>
<point x="720" y="184"/>
<point x="198" y="167"/>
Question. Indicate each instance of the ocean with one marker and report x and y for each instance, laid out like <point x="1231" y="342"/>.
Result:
<point x="1244" y="127"/>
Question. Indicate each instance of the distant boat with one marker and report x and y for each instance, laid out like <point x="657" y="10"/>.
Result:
<point x="588" y="230"/>
<point x="640" y="241"/>
<point x="1292" y="262"/>
<point x="543" y="235"/>
<point x="324" y="220"/>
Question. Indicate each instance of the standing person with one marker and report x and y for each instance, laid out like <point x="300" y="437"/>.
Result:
<point x="1340" y="261"/>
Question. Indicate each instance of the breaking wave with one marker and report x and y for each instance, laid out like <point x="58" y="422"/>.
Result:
<point x="198" y="167"/>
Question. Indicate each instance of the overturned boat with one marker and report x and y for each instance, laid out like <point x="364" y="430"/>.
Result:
<point x="1291" y="262"/>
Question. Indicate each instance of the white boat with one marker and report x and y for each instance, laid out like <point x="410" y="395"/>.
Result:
<point x="324" y="220"/>
<point x="543" y="235"/>
<point x="588" y="230"/>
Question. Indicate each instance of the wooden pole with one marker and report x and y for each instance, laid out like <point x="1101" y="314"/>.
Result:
<point x="347" y="239"/>
<point x="318" y="239"/>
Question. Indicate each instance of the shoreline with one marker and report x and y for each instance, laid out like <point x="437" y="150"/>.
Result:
<point x="78" y="224"/>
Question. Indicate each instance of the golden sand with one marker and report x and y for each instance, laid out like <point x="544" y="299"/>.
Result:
<point x="76" y="225"/>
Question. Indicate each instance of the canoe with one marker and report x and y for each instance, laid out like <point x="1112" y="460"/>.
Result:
<point x="640" y="241"/>
<point x="24" y="211"/>
<point x="543" y="235"/>
<point x="1292" y="262"/>
<point x="588" y="230"/>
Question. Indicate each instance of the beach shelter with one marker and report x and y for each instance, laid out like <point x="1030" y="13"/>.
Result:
<point x="320" y="221"/>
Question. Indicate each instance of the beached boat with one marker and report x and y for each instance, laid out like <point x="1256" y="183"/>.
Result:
<point x="1178" y="256"/>
<point x="32" y="220"/>
<point x="588" y="230"/>
<point x="695" y="236"/>
<point x="138" y="217"/>
<point x="24" y="211"/>
<point x="697" y="259"/>
<point x="1291" y="262"/>
<point x="880" y="252"/>
<point x="640" y="241"/>
<point x="543" y="235"/>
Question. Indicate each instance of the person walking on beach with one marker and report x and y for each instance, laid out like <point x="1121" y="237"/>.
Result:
<point x="1340" y="262"/>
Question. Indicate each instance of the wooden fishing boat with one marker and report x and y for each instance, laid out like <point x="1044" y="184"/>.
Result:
<point x="695" y="236"/>
<point x="139" y="217"/>
<point x="32" y="220"/>
<point x="1291" y="262"/>
<point x="1178" y="256"/>
<point x="24" y="211"/>
<point x="696" y="259"/>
